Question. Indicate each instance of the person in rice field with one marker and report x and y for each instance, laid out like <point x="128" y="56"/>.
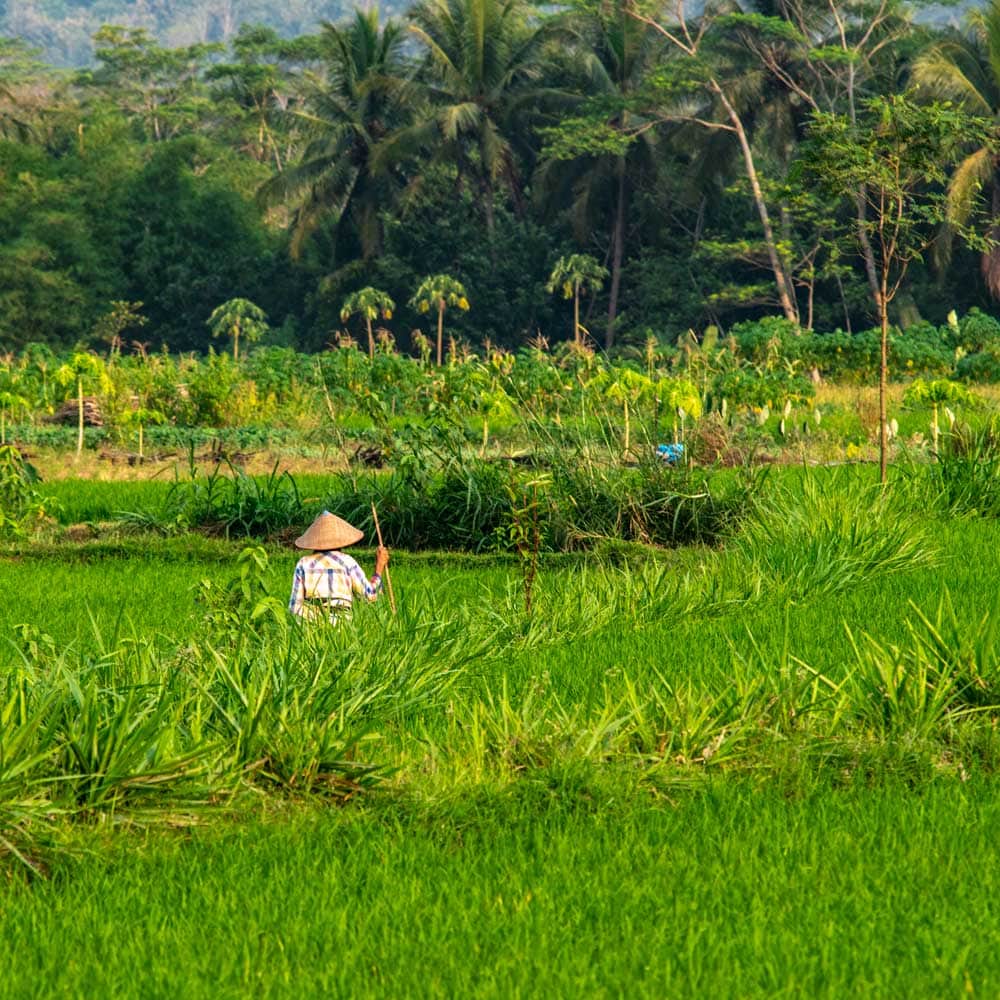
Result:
<point x="326" y="580"/>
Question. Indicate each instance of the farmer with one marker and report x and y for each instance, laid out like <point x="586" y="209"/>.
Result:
<point x="327" y="580"/>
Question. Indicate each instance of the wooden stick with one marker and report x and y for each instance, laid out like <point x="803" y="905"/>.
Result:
<point x="388" y="579"/>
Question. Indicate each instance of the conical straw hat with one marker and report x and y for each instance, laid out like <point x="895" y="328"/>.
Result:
<point x="329" y="532"/>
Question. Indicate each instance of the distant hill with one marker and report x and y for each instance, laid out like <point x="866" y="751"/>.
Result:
<point x="62" y="29"/>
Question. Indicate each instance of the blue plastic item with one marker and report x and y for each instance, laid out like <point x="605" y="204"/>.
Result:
<point x="670" y="453"/>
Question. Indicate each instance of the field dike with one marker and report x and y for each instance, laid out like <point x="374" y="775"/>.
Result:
<point x="446" y="696"/>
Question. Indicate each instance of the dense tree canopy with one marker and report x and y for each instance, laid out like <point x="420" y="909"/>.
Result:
<point x="483" y="139"/>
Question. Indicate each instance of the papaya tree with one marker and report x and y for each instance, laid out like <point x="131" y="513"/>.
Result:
<point x="370" y="303"/>
<point x="82" y="371"/>
<point x="576" y="275"/>
<point x="439" y="292"/>
<point x="139" y="418"/>
<point x="238" y="318"/>
<point x="628" y="388"/>
<point x="937" y="392"/>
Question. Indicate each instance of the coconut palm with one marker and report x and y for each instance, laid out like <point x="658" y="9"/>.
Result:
<point x="966" y="70"/>
<point x="484" y="65"/>
<point x="360" y="99"/>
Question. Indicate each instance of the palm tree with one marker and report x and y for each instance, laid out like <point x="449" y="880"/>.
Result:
<point x="370" y="303"/>
<point x="966" y="70"/>
<point x="438" y="292"/>
<point x="618" y="54"/>
<point x="362" y="98"/>
<point x="238" y="317"/>
<point x="483" y="65"/>
<point x="575" y="274"/>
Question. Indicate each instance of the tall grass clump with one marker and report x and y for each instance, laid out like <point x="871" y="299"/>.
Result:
<point x="965" y="479"/>
<point x="470" y="505"/>
<point x="828" y="536"/>
<point x="142" y="730"/>
<point x="226" y="501"/>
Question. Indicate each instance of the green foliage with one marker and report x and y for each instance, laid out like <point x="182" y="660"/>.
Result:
<point x="21" y="506"/>
<point x="830" y="537"/>
<point x="227" y="502"/>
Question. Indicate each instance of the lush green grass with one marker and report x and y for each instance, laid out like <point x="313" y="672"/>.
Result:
<point x="565" y="885"/>
<point x="550" y="826"/>
<point x="82" y="500"/>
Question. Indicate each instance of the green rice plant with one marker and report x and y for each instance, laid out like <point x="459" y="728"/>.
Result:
<point x="597" y="596"/>
<point x="830" y="536"/>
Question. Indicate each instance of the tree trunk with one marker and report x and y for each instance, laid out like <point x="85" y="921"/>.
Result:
<point x="440" y="344"/>
<point x="867" y="255"/>
<point x="576" y="312"/>
<point x="79" y="414"/>
<point x="617" y="246"/>
<point x="780" y="279"/>
<point x="371" y="339"/>
<point x="236" y="343"/>
<point x="883" y="370"/>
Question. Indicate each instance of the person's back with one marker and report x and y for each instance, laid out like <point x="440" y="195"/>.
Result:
<point x="326" y="581"/>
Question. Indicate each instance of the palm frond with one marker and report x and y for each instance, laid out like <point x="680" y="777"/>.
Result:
<point x="948" y="72"/>
<point x="967" y="183"/>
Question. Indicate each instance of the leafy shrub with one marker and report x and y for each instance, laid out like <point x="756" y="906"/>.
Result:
<point x="748" y="387"/>
<point x="983" y="366"/>
<point x="977" y="331"/>
<point x="20" y="504"/>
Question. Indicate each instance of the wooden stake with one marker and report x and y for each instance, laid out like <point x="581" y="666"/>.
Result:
<point x="388" y="579"/>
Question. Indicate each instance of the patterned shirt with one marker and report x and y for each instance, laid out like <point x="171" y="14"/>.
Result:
<point x="332" y="578"/>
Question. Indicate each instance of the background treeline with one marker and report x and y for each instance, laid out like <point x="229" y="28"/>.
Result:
<point x="478" y="138"/>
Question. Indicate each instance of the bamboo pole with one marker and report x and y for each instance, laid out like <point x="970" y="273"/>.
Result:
<point x="388" y="579"/>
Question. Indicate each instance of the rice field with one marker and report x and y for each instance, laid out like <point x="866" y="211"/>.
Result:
<point x="766" y="768"/>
